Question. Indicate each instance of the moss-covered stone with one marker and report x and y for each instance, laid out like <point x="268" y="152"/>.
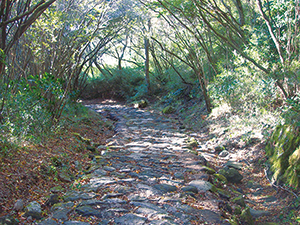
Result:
<point x="231" y="174"/>
<point x="246" y="217"/>
<point x="239" y="200"/>
<point x="237" y="210"/>
<point x="223" y="193"/>
<point x="234" y="221"/>
<point x="141" y="104"/>
<point x="283" y="149"/>
<point x="192" y="143"/>
<point x="220" y="178"/>
<point x="209" y="170"/>
<point x="168" y="110"/>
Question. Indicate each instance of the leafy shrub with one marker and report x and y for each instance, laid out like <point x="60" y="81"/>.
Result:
<point x="120" y="85"/>
<point x="242" y="87"/>
<point x="31" y="105"/>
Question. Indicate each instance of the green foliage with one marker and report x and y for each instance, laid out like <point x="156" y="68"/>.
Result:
<point x="121" y="85"/>
<point x="292" y="110"/>
<point x="32" y="105"/>
<point x="242" y="88"/>
<point x="7" y="148"/>
<point x="2" y="56"/>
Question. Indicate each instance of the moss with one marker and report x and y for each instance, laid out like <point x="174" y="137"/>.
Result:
<point x="284" y="152"/>
<point x="221" y="178"/>
<point x="192" y="143"/>
<point x="240" y="201"/>
<point x="209" y="170"/>
<point x="168" y="110"/>
<point x="223" y="193"/>
<point x="237" y="210"/>
<point x="246" y="217"/>
<point x="213" y="188"/>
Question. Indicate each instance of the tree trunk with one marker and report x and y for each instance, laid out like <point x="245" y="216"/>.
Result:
<point x="204" y="92"/>
<point x="146" y="43"/>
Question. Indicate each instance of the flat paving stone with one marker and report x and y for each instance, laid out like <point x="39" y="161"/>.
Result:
<point x="140" y="176"/>
<point x="130" y="219"/>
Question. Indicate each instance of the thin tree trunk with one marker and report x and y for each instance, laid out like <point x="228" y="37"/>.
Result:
<point x="146" y="43"/>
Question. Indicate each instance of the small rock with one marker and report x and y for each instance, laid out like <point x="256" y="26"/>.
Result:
<point x="234" y="164"/>
<point x="53" y="199"/>
<point x="62" y="206"/>
<point x="165" y="188"/>
<point x="130" y="219"/>
<point x="19" y="205"/>
<point x="210" y="216"/>
<point x="64" y="176"/>
<point x="87" y="211"/>
<point x="74" y="195"/>
<point x="231" y="174"/>
<point x="219" y="148"/>
<point x="34" y="210"/>
<point x="112" y="195"/>
<point x="246" y="217"/>
<point x="190" y="189"/>
<point x="109" y="168"/>
<point x="179" y="175"/>
<point x="192" y="143"/>
<point x="201" y="185"/>
<point x="48" y="221"/>
<point x="258" y="213"/>
<point x="99" y="172"/>
<point x="8" y="220"/>
<point x="239" y="201"/>
<point x="224" y="153"/>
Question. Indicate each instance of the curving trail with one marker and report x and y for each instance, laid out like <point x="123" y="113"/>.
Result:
<point x="144" y="175"/>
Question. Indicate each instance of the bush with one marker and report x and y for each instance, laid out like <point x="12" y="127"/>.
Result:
<point x="120" y="85"/>
<point x="32" y="106"/>
<point x="241" y="88"/>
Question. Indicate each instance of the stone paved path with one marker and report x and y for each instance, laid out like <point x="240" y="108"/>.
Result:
<point x="145" y="175"/>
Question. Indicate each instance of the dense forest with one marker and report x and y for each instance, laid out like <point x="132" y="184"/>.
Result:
<point x="228" y="66"/>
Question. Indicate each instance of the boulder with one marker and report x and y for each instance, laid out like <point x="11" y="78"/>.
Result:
<point x="231" y="174"/>
<point x="283" y="149"/>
